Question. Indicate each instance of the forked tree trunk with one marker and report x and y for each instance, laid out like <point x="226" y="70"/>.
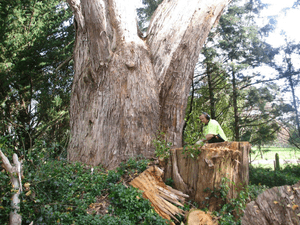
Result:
<point x="125" y="88"/>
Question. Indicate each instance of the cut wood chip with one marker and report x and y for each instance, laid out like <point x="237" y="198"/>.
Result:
<point x="162" y="197"/>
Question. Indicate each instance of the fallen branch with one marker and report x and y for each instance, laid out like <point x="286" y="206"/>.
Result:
<point x="15" y="173"/>
<point x="161" y="196"/>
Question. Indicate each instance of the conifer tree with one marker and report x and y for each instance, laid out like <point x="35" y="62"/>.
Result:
<point x="37" y="38"/>
<point x="237" y="45"/>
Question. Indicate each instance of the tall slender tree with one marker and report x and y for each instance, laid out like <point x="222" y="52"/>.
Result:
<point x="289" y="72"/>
<point x="238" y="46"/>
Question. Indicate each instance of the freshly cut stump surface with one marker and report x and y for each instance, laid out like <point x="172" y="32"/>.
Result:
<point x="199" y="217"/>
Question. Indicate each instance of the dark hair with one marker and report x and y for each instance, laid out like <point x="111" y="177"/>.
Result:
<point x="207" y="116"/>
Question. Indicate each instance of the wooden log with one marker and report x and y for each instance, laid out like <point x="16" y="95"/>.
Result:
<point x="162" y="197"/>
<point x="215" y="164"/>
<point x="199" y="217"/>
<point x="275" y="206"/>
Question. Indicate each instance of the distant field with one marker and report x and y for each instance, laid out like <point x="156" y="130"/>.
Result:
<point x="269" y="153"/>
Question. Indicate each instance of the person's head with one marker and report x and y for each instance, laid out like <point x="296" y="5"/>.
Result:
<point x="204" y="117"/>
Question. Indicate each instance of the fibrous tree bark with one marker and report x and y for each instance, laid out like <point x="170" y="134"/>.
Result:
<point x="218" y="165"/>
<point x="125" y="87"/>
<point x="278" y="205"/>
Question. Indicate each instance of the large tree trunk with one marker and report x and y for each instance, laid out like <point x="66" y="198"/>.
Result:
<point x="125" y="89"/>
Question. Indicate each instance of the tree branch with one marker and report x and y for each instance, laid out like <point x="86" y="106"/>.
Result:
<point x="15" y="218"/>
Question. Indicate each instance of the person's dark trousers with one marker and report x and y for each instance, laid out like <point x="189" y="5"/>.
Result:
<point x="216" y="139"/>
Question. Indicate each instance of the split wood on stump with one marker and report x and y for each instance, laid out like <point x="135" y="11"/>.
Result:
<point x="215" y="164"/>
<point x="162" y="197"/>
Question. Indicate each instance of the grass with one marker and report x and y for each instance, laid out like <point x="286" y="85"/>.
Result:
<point x="269" y="153"/>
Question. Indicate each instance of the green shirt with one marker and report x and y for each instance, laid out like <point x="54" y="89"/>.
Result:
<point x="213" y="127"/>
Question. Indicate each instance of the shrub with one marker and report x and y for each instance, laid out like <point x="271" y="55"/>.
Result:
<point x="232" y="210"/>
<point x="128" y="204"/>
<point x="270" y="178"/>
<point x="59" y="192"/>
<point x="5" y="200"/>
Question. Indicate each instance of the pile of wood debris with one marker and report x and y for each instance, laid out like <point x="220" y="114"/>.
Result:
<point x="164" y="198"/>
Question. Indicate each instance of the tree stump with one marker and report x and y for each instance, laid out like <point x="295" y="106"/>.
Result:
<point x="201" y="176"/>
<point x="275" y="206"/>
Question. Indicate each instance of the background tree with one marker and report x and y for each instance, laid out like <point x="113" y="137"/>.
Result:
<point x="224" y="87"/>
<point x="241" y="48"/>
<point x="211" y="94"/>
<point x="260" y="115"/>
<point x="144" y="13"/>
<point x="37" y="38"/>
<point x="290" y="74"/>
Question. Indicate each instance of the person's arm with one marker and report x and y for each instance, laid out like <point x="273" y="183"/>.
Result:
<point x="208" y="137"/>
<point x="205" y="139"/>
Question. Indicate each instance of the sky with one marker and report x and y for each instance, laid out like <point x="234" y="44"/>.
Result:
<point x="287" y="22"/>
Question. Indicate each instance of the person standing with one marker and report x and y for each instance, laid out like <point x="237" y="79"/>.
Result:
<point x="212" y="130"/>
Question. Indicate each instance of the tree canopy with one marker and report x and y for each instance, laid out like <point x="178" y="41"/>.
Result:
<point x="37" y="37"/>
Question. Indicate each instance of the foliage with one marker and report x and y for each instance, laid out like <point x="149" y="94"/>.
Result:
<point x="231" y="210"/>
<point x="266" y="176"/>
<point x="144" y="13"/>
<point x="162" y="147"/>
<point x="34" y="96"/>
<point x="191" y="151"/>
<point x="133" y="166"/>
<point x="193" y="126"/>
<point x="170" y="182"/>
<point x="5" y="194"/>
<point x="128" y="205"/>
<point x="64" y="193"/>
